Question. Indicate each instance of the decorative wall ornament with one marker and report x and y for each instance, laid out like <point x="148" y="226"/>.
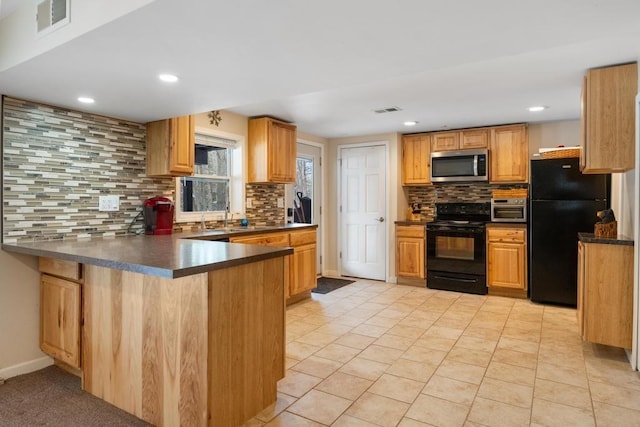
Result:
<point x="215" y="118"/>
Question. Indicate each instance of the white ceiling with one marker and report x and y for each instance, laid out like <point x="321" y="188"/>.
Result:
<point x="325" y="65"/>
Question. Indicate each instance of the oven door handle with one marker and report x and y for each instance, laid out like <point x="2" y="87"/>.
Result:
<point x="455" y="278"/>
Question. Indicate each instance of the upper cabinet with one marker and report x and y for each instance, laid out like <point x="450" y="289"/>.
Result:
<point x="170" y="147"/>
<point x="460" y="140"/>
<point x="445" y="141"/>
<point x="509" y="154"/>
<point x="272" y="151"/>
<point x="608" y="119"/>
<point x="416" y="160"/>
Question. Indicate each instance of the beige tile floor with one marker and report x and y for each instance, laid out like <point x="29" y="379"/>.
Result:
<point x="377" y="354"/>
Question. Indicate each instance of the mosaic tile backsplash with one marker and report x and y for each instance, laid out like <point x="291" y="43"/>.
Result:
<point x="57" y="162"/>
<point x="428" y="196"/>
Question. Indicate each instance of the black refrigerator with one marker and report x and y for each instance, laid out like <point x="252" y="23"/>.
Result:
<point x="563" y="202"/>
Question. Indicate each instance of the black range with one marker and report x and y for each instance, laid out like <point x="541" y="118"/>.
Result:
<point x="456" y="253"/>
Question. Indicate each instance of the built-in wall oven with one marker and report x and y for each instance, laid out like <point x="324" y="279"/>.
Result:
<point x="509" y="210"/>
<point x="456" y="254"/>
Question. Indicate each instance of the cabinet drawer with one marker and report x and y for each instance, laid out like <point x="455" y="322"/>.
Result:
<point x="410" y="231"/>
<point x="506" y="234"/>
<point x="303" y="238"/>
<point x="275" y="239"/>
<point x="61" y="268"/>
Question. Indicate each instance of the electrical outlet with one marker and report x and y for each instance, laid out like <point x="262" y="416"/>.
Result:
<point x="108" y="203"/>
<point x="281" y="202"/>
<point x="249" y="202"/>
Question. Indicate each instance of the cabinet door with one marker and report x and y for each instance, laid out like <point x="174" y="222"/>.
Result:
<point x="416" y="159"/>
<point x="170" y="147"/>
<point x="445" y="141"/>
<point x="303" y="269"/>
<point x="410" y="257"/>
<point x="509" y="154"/>
<point x="60" y="319"/>
<point x="281" y="155"/>
<point x="608" y="119"/>
<point x="474" y="138"/>
<point x="182" y="145"/>
<point x="505" y="265"/>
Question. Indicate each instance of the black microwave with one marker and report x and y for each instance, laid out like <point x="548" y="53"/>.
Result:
<point x="460" y="165"/>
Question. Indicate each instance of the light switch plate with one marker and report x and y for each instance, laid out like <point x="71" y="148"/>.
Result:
<point x="249" y="202"/>
<point x="281" y="202"/>
<point x="109" y="203"/>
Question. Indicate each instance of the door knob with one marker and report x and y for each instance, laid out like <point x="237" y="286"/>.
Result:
<point x="381" y="219"/>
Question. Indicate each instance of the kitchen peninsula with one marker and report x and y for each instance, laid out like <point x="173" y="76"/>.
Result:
<point x="175" y="330"/>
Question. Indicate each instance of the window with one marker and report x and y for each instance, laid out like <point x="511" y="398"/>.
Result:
<point x="216" y="183"/>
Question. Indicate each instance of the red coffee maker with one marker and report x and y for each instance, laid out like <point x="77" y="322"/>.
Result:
<point x="158" y="215"/>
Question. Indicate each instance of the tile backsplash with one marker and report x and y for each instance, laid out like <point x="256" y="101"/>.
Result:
<point x="473" y="192"/>
<point x="57" y="162"/>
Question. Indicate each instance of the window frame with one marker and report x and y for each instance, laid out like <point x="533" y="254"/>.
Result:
<point x="237" y="171"/>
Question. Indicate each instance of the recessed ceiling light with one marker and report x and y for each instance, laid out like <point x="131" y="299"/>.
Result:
<point x="169" y="78"/>
<point x="537" y="108"/>
<point x="86" y="100"/>
<point x="410" y="123"/>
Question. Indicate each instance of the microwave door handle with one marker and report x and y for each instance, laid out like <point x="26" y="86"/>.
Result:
<point x="475" y="165"/>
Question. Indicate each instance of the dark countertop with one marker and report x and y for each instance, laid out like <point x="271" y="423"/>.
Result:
<point x="619" y="240"/>
<point x="412" y="222"/>
<point x="507" y="224"/>
<point x="225" y="233"/>
<point x="172" y="256"/>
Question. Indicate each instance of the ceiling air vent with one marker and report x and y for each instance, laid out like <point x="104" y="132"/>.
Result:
<point x="51" y="15"/>
<point x="387" y="110"/>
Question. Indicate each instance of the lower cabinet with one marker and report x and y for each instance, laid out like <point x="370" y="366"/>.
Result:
<point x="507" y="260"/>
<point x="60" y="319"/>
<point x="301" y="264"/>
<point x="605" y="293"/>
<point x="410" y="251"/>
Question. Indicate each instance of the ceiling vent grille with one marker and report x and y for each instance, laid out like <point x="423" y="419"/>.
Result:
<point x="51" y="15"/>
<point x="387" y="110"/>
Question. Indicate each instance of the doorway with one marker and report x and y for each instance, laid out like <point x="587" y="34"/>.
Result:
<point x="363" y="211"/>
<point x="306" y="193"/>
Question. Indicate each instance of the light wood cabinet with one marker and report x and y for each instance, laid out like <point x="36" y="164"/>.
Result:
<point x="474" y="139"/>
<point x="608" y="119"/>
<point x="416" y="159"/>
<point x="301" y="265"/>
<point x="507" y="260"/>
<point x="605" y="293"/>
<point x="60" y="318"/>
<point x="410" y="251"/>
<point x="509" y="154"/>
<point x="460" y="139"/>
<point x="171" y="147"/>
<point x="445" y="141"/>
<point x="272" y="151"/>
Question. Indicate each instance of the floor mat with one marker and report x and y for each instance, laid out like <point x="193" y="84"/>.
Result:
<point x="328" y="284"/>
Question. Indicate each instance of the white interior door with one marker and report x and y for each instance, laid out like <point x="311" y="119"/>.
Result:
<point x="309" y="184"/>
<point x="363" y="207"/>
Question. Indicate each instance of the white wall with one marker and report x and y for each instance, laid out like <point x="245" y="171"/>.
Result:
<point x="19" y="315"/>
<point x="18" y="41"/>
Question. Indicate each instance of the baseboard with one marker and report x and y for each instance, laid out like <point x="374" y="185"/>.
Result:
<point x="331" y="273"/>
<point x="26" y="367"/>
<point x="392" y="279"/>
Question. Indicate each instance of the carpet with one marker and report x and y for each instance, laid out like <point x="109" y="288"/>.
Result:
<point x="53" y="397"/>
<point x="328" y="284"/>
